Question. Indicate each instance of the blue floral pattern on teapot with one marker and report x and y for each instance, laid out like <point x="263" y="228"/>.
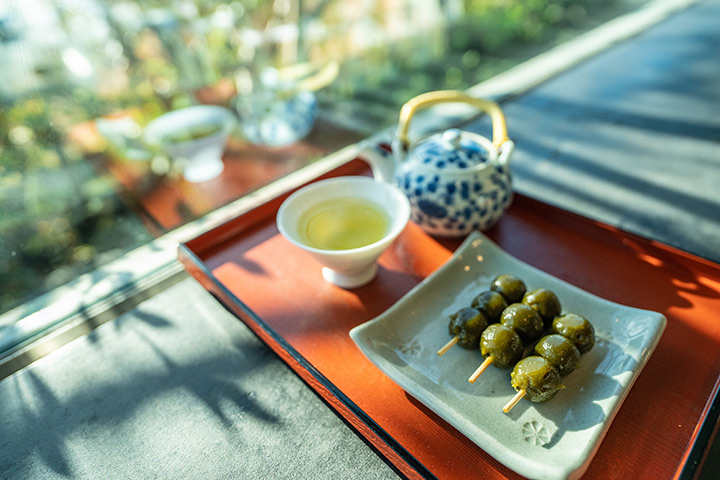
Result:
<point x="456" y="181"/>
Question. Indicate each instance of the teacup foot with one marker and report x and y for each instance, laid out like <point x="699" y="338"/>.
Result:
<point x="350" y="279"/>
<point x="203" y="170"/>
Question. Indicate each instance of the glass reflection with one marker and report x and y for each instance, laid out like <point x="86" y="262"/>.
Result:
<point x="87" y="76"/>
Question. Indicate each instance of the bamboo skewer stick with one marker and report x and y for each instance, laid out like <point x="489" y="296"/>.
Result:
<point x="483" y="366"/>
<point x="448" y="346"/>
<point x="514" y="401"/>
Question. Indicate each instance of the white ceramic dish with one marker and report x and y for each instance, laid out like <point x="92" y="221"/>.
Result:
<point x="551" y="440"/>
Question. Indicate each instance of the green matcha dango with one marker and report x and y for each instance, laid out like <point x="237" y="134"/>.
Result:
<point x="501" y="346"/>
<point x="534" y="378"/>
<point x="524" y="320"/>
<point x="491" y="304"/>
<point x="576" y="328"/>
<point x="509" y="286"/>
<point x="466" y="325"/>
<point x="560" y="351"/>
<point x="545" y="302"/>
<point x="556" y="355"/>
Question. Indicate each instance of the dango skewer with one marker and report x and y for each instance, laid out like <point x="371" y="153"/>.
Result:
<point x="514" y="400"/>
<point x="444" y="349"/>
<point x="519" y="317"/>
<point x="555" y="355"/>
<point x="505" y="289"/>
<point x="464" y="325"/>
<point x="503" y="344"/>
<point x="479" y="371"/>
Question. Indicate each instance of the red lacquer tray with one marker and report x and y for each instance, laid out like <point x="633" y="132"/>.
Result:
<point x="662" y="427"/>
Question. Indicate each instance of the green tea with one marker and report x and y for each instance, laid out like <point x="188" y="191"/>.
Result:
<point x="343" y="224"/>
<point x="193" y="133"/>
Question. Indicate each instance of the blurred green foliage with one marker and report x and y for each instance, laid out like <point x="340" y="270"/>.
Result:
<point x="60" y="216"/>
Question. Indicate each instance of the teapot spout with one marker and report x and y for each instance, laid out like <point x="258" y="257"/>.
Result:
<point x="381" y="161"/>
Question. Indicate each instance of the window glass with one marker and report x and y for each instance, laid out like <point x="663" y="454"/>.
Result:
<point x="81" y="182"/>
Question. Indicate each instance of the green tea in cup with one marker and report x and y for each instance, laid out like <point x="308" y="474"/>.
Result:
<point x="343" y="224"/>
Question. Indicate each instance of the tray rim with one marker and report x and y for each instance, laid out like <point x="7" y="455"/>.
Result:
<point x="692" y="458"/>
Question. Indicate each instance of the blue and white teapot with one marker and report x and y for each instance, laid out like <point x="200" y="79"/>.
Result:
<point x="456" y="181"/>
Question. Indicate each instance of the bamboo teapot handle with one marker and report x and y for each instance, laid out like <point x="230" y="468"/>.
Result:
<point x="449" y="96"/>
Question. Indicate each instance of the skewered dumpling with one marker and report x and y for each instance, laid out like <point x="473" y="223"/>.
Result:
<point x="562" y="353"/>
<point x="545" y="302"/>
<point x="509" y="286"/>
<point x="537" y="378"/>
<point x="467" y="324"/>
<point x="576" y="328"/>
<point x="491" y="304"/>
<point x="501" y="343"/>
<point x="524" y="320"/>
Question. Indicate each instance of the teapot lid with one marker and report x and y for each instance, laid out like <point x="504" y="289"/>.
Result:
<point x="451" y="149"/>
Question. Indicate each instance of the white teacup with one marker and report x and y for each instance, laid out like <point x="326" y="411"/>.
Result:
<point x="194" y="136"/>
<point x="345" y="223"/>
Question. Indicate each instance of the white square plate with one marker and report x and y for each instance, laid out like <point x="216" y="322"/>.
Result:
<point x="551" y="440"/>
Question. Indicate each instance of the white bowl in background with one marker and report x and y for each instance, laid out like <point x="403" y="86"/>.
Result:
<point x="195" y="137"/>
